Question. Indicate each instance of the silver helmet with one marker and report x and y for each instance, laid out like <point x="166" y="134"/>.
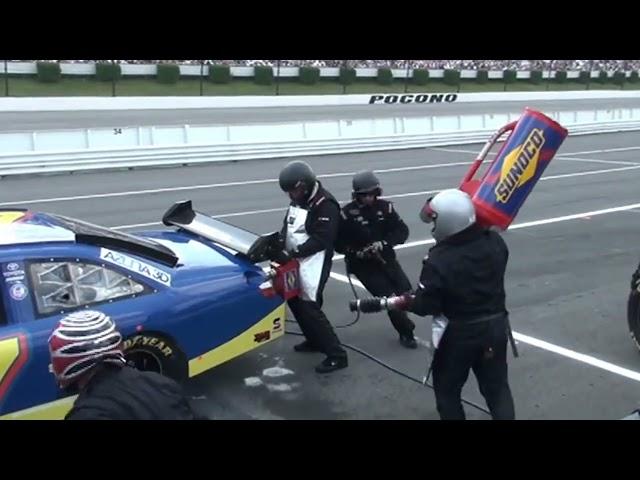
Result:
<point x="450" y="211"/>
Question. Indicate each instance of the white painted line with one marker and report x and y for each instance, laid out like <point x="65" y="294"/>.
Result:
<point x="273" y="180"/>
<point x="563" y="157"/>
<point x="534" y="223"/>
<point x="565" y="352"/>
<point x="400" y="195"/>
<point x="589" y="172"/>
<point x="413" y="194"/>
<point x="218" y="185"/>
<point x="580" y="357"/>
<point x="563" y="154"/>
<point x="604" y="150"/>
<point x="550" y="347"/>
<point x="135" y="225"/>
<point x="595" y="160"/>
<point x="344" y="278"/>
<point x="267" y="210"/>
<point x="459" y="150"/>
<point x="250" y="212"/>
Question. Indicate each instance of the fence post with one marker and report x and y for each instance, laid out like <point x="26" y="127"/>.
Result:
<point x="113" y="82"/>
<point x="6" y="79"/>
<point x="201" y="77"/>
<point x="344" y="85"/>
<point x="406" y="78"/>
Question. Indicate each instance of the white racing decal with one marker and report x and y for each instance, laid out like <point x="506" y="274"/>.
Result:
<point x="136" y="266"/>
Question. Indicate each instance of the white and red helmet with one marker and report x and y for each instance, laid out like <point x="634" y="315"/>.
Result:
<point x="80" y="341"/>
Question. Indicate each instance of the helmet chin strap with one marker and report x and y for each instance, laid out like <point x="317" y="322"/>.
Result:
<point x="314" y="190"/>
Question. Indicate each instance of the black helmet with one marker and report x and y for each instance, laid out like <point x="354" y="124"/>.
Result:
<point x="296" y="173"/>
<point x="366" y="182"/>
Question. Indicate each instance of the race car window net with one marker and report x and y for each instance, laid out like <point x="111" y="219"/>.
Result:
<point x="66" y="285"/>
<point x="105" y="237"/>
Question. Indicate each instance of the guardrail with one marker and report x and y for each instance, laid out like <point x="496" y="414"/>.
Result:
<point x="93" y="149"/>
<point x="47" y="104"/>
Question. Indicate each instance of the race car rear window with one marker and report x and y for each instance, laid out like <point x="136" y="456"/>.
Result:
<point x="106" y="237"/>
<point x="60" y="286"/>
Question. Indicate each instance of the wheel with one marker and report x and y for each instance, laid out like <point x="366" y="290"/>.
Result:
<point x="155" y="353"/>
<point x="633" y="316"/>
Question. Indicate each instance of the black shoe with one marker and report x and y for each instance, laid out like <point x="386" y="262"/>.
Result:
<point x="305" y="347"/>
<point x="331" y="364"/>
<point x="408" y="341"/>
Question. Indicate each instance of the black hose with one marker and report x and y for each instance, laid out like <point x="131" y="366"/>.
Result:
<point x="394" y="370"/>
<point x="377" y="360"/>
<point x="355" y="294"/>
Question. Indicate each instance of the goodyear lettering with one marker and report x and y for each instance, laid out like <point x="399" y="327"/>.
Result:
<point x="519" y="166"/>
<point x="150" y="341"/>
<point x="134" y="265"/>
<point x="410" y="98"/>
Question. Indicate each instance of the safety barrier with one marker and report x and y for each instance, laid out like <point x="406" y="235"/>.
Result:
<point x="93" y="149"/>
<point x="53" y="104"/>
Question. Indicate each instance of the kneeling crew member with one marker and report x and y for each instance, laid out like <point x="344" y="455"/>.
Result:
<point x="87" y="358"/>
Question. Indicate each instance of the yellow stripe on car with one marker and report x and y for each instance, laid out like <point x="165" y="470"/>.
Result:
<point x="266" y="330"/>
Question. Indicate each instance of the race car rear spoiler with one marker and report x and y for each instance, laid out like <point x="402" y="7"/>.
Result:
<point x="255" y="247"/>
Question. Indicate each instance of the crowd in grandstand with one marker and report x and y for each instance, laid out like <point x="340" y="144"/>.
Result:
<point x="610" y="65"/>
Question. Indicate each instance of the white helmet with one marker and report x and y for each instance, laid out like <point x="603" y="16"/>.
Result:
<point x="451" y="211"/>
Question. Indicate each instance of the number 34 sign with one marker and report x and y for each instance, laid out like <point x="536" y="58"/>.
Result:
<point x="14" y="353"/>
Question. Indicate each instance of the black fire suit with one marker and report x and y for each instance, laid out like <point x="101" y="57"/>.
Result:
<point x="463" y="278"/>
<point x="322" y="227"/>
<point x="125" y="393"/>
<point x="381" y="275"/>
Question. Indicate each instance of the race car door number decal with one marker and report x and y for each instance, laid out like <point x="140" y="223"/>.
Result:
<point x="136" y="266"/>
<point x="13" y="355"/>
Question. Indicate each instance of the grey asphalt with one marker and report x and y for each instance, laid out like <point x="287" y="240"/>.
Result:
<point x="35" y="121"/>
<point x="567" y="282"/>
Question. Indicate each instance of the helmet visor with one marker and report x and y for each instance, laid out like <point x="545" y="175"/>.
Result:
<point x="297" y="193"/>
<point x="427" y="214"/>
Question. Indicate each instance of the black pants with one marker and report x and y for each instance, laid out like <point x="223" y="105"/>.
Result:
<point x="483" y="349"/>
<point x="314" y="324"/>
<point x="382" y="280"/>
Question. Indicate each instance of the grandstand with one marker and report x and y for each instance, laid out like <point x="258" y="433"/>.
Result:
<point x="521" y="65"/>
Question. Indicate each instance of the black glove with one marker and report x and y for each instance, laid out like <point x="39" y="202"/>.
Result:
<point x="377" y="246"/>
<point x="276" y="252"/>
<point x="370" y="251"/>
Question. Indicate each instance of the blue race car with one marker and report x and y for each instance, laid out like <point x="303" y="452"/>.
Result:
<point x="185" y="300"/>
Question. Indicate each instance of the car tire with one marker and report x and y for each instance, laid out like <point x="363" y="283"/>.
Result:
<point x="154" y="352"/>
<point x="633" y="316"/>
